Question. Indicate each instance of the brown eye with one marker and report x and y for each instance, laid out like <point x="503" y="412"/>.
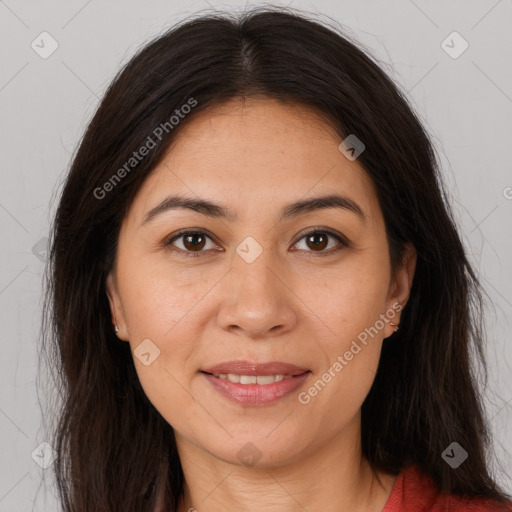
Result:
<point x="317" y="241"/>
<point x="192" y="243"/>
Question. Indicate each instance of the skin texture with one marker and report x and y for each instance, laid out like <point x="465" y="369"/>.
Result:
<point x="291" y="304"/>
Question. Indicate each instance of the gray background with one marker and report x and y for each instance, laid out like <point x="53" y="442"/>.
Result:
<point x="45" y="104"/>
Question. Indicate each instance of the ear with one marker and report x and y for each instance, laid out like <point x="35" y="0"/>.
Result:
<point x="400" y="287"/>
<point x="116" y="309"/>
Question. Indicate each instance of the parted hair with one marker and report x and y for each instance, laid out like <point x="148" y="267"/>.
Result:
<point x="115" y="451"/>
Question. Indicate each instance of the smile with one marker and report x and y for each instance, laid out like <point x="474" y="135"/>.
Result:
<point x="255" y="390"/>
<point x="253" y="379"/>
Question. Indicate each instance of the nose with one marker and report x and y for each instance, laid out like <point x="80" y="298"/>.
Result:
<point x="258" y="302"/>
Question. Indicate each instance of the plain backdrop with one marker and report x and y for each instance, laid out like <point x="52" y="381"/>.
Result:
<point x="465" y="101"/>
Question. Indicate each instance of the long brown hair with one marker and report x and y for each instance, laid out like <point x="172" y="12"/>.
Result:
<point x="115" y="451"/>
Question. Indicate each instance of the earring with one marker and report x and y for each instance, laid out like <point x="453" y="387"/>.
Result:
<point x="394" y="325"/>
<point x="116" y="329"/>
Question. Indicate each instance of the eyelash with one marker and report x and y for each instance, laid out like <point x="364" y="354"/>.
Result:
<point x="317" y="230"/>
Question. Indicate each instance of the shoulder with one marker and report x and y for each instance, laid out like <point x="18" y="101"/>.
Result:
<point x="415" y="491"/>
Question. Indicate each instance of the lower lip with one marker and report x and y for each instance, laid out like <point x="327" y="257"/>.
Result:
<point x="256" y="394"/>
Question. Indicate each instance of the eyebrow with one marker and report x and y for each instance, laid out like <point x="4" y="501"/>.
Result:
<point x="290" y="210"/>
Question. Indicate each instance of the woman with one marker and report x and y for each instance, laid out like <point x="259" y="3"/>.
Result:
<point x="258" y="296"/>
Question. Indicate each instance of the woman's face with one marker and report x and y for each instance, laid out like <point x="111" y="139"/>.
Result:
<point x="253" y="286"/>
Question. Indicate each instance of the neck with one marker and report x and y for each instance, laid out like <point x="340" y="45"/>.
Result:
<point x="335" y="477"/>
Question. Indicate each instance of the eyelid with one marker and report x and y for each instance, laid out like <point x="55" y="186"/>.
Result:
<point x="343" y="241"/>
<point x="168" y="242"/>
<point x="320" y="229"/>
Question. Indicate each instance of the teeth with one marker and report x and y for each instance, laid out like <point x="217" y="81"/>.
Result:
<point x="264" y="379"/>
<point x="252" y="379"/>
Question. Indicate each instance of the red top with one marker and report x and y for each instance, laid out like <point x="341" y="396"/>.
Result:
<point x="415" y="491"/>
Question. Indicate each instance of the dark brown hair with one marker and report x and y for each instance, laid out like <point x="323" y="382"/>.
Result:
<point x="115" y="451"/>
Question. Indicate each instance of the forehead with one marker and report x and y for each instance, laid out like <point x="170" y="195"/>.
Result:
<point x="253" y="156"/>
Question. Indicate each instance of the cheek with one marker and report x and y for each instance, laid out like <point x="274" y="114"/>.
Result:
<point x="157" y="298"/>
<point x="339" y="390"/>
<point x="348" y="305"/>
<point x="346" y="301"/>
<point x="158" y="317"/>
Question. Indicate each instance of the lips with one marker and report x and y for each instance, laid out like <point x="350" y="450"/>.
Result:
<point x="254" y="369"/>
<point x="259" y="394"/>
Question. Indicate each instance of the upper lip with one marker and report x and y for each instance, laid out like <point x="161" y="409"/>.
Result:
<point x="252" y="368"/>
